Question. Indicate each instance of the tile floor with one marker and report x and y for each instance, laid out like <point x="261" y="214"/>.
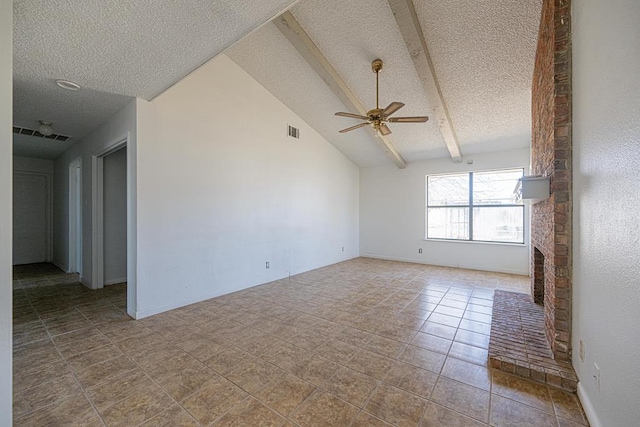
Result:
<point x="360" y="343"/>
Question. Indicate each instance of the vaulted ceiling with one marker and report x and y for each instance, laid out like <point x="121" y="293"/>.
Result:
<point x="482" y="54"/>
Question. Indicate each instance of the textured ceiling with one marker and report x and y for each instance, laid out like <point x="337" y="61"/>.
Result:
<point x="482" y="51"/>
<point x="116" y="50"/>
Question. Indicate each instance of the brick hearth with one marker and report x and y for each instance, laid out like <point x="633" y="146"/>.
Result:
<point x="519" y="345"/>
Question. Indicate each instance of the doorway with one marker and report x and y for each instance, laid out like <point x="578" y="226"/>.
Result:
<point x="31" y="218"/>
<point x="110" y="217"/>
<point x="75" y="217"/>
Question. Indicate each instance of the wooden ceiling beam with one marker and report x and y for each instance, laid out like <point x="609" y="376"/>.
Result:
<point x="409" y="25"/>
<point x="300" y="40"/>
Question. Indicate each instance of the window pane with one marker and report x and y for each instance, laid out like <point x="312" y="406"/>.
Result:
<point x="499" y="224"/>
<point x="448" y="190"/>
<point x="448" y="223"/>
<point x="495" y="188"/>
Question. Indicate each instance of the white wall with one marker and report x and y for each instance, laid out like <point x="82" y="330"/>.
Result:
<point x="606" y="238"/>
<point x="120" y="125"/>
<point x="115" y="217"/>
<point x="392" y="216"/>
<point x="223" y="189"/>
<point x="6" y="170"/>
<point x="32" y="187"/>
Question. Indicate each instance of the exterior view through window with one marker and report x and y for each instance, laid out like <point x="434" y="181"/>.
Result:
<point x="476" y="206"/>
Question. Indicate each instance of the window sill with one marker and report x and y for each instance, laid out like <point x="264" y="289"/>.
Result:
<point x="477" y="242"/>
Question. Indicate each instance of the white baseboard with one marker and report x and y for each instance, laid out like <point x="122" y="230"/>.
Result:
<point x="85" y="282"/>
<point x="115" y="281"/>
<point x="60" y="266"/>
<point x="589" y="411"/>
<point x="463" y="266"/>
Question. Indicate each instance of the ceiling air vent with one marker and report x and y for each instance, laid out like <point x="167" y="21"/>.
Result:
<point x="31" y="132"/>
<point x="294" y="132"/>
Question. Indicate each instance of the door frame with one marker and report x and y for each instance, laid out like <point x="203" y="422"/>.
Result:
<point x="75" y="217"/>
<point x="97" y="205"/>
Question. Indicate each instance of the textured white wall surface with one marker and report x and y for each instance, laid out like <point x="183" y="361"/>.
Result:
<point x="392" y="217"/>
<point x="120" y="125"/>
<point x="606" y="238"/>
<point x="223" y="189"/>
<point x="6" y="288"/>
<point x="115" y="217"/>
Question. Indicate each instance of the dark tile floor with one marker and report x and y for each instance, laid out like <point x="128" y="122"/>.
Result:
<point x="360" y="343"/>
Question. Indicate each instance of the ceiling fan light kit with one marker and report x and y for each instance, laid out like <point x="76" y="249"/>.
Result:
<point x="377" y="117"/>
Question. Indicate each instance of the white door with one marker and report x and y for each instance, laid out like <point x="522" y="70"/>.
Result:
<point x="29" y="218"/>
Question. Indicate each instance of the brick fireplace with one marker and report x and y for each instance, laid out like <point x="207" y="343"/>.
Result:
<point x="551" y="157"/>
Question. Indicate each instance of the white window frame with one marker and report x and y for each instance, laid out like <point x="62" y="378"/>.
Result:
<point x="470" y="206"/>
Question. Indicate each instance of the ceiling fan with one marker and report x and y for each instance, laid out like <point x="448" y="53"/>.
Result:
<point x="377" y="117"/>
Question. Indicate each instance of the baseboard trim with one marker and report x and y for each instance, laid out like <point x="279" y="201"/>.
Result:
<point x="115" y="281"/>
<point x="60" y="266"/>
<point x="85" y="282"/>
<point x="466" y="267"/>
<point x="589" y="411"/>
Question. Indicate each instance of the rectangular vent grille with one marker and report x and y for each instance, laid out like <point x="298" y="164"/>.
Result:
<point x="294" y="132"/>
<point x="31" y="132"/>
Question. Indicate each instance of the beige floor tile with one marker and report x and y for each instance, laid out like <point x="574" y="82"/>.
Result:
<point x="469" y="353"/>
<point x="84" y="360"/>
<point x="183" y="382"/>
<point x="432" y="342"/>
<point x="439" y="416"/>
<point x="336" y="350"/>
<point x="472" y="338"/>
<point x="506" y="412"/>
<point x="521" y="390"/>
<point x="351" y="386"/>
<point x="73" y="411"/>
<point x="175" y="416"/>
<point x="250" y="412"/>
<point x="95" y="374"/>
<point x="137" y="408"/>
<point x="412" y="379"/>
<point x="385" y="346"/>
<point x="49" y="393"/>
<point x="468" y="400"/>
<point x="439" y="330"/>
<point x="423" y="358"/>
<point x="252" y="375"/>
<point x="567" y="406"/>
<point x="473" y="326"/>
<point x="468" y="373"/>
<point x="213" y="400"/>
<point x="315" y="369"/>
<point x="324" y="409"/>
<point x="396" y="406"/>
<point x="367" y="420"/>
<point x="370" y="364"/>
<point x="285" y="394"/>
<point x="26" y="378"/>
<point x="227" y="360"/>
<point x="118" y="388"/>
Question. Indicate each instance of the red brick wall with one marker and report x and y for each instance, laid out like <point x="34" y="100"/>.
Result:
<point x="551" y="157"/>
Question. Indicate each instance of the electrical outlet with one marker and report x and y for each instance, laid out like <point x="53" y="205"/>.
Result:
<point x="596" y="375"/>
<point x="581" y="351"/>
<point x="267" y="264"/>
<point x="420" y="250"/>
<point x="343" y="249"/>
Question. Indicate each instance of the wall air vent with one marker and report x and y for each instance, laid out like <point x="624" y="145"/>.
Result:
<point x="294" y="132"/>
<point x="31" y="132"/>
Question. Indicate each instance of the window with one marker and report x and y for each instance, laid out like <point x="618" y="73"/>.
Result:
<point x="476" y="206"/>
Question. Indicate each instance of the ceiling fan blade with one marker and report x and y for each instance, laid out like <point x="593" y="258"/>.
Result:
<point x="392" y="108"/>
<point x="353" y="116"/>
<point x="384" y="130"/>
<point x="418" y="119"/>
<point x="353" y="127"/>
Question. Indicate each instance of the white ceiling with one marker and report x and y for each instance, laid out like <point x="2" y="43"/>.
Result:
<point x="482" y="51"/>
<point x="115" y="50"/>
<point x="483" y="54"/>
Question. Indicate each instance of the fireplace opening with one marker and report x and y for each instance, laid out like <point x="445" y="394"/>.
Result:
<point x="538" y="277"/>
